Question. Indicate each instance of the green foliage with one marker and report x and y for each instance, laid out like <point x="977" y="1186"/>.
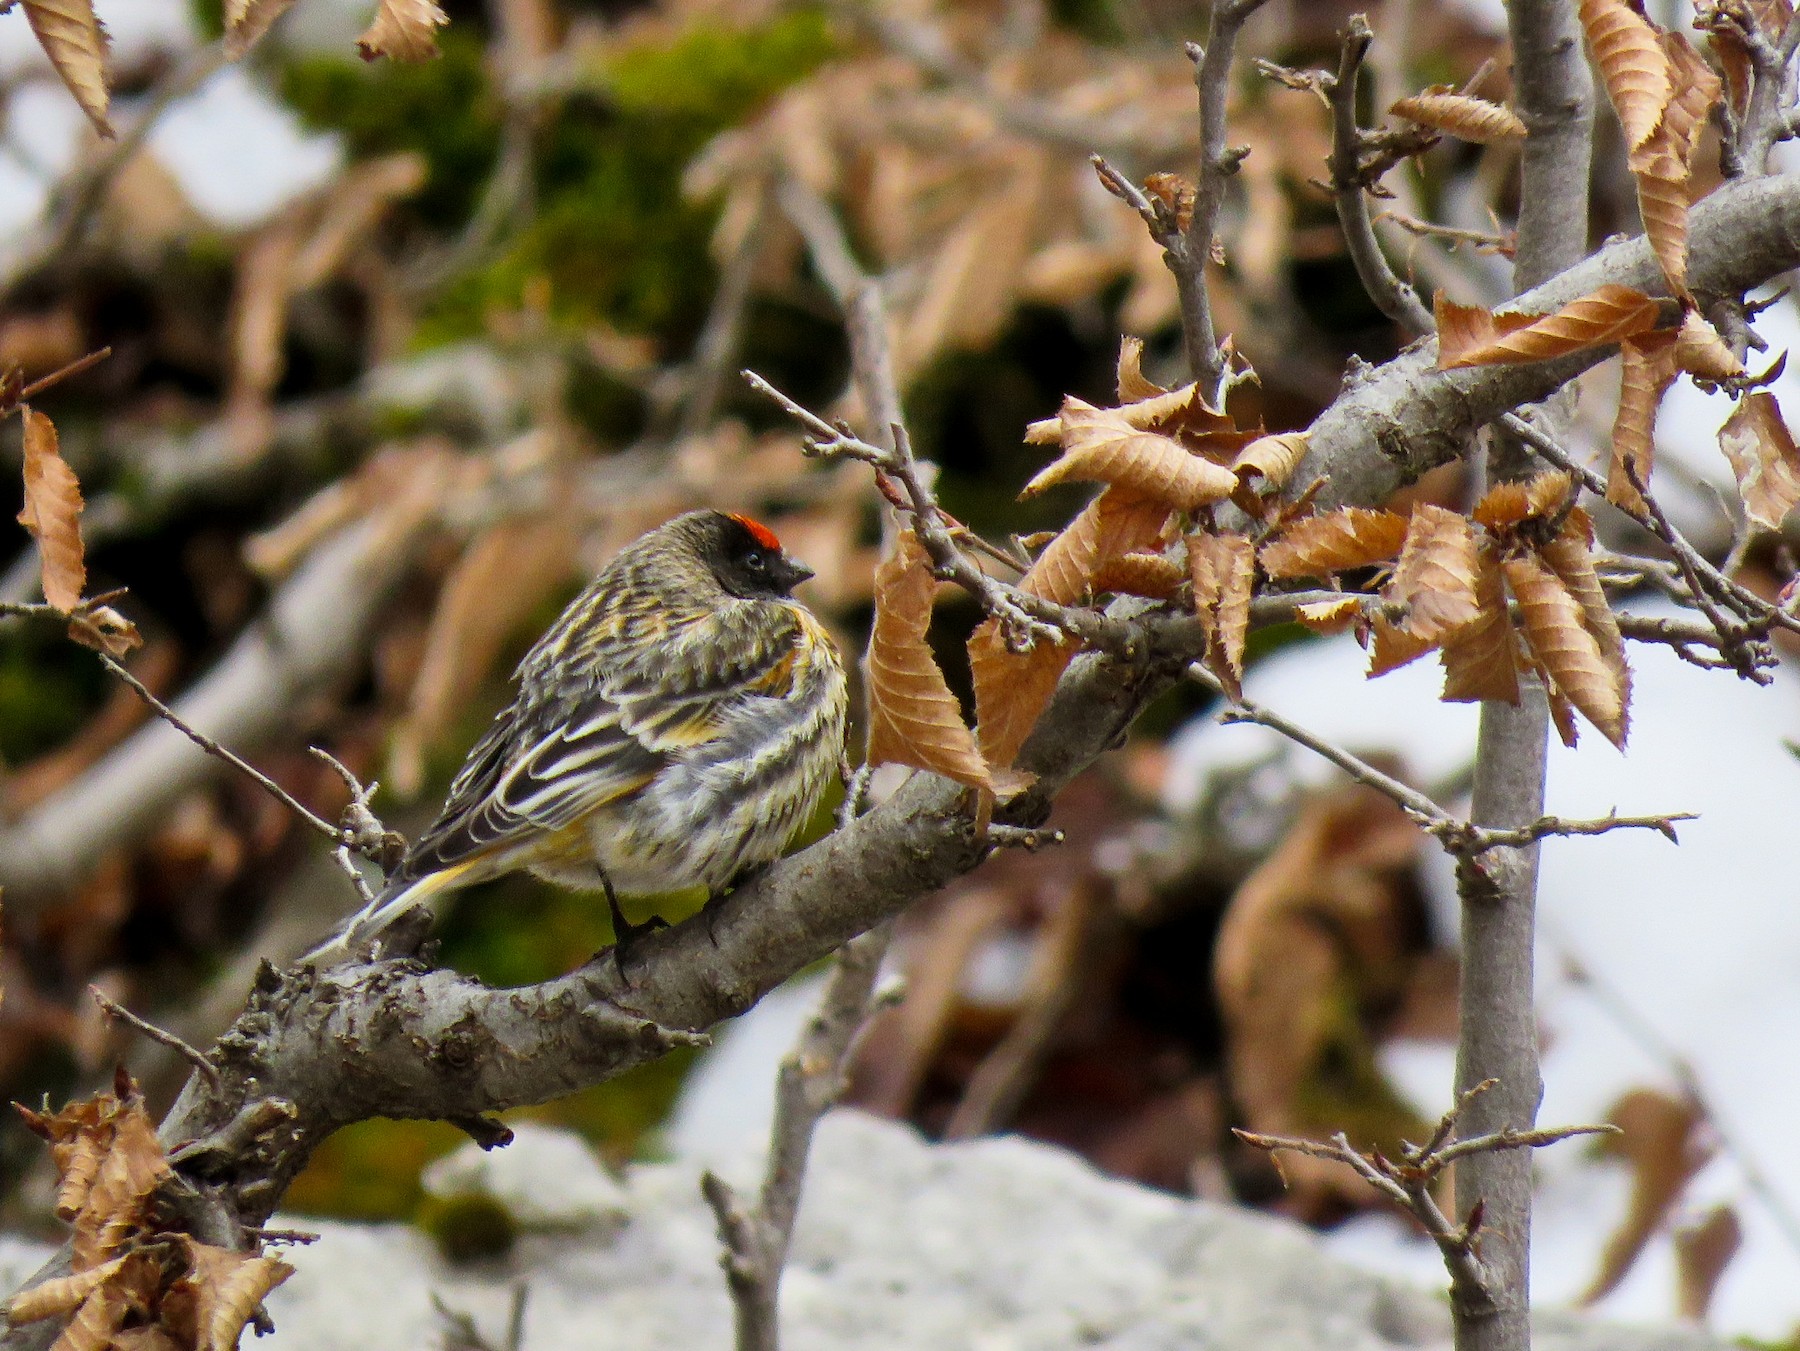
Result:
<point x="446" y="110"/>
<point x="611" y="231"/>
<point x="48" y="689"/>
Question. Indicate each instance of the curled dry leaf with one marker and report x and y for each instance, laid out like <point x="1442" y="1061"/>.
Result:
<point x="1100" y="445"/>
<point x="61" y="1295"/>
<point x="1632" y="63"/>
<point x="1701" y="352"/>
<point x="1351" y="537"/>
<point x="1141" y="574"/>
<point x="1113" y="524"/>
<point x="1568" y="652"/>
<point x="1271" y="458"/>
<point x="1508" y="504"/>
<point x="404" y="30"/>
<point x="247" y="20"/>
<point x="118" y="1202"/>
<point x="1471" y="336"/>
<point x="1012" y="689"/>
<point x="72" y="37"/>
<point x="1132" y="385"/>
<point x="1330" y="616"/>
<point x="1647" y="367"/>
<point x="1481" y="661"/>
<point x="1434" y="579"/>
<point x="53" y="513"/>
<point x="227" y="1286"/>
<point x="1570" y="556"/>
<point x="1663" y="165"/>
<point x="105" y="630"/>
<point x="1223" y="568"/>
<point x="913" y="718"/>
<point x="1763" y="456"/>
<point x="1462" y="116"/>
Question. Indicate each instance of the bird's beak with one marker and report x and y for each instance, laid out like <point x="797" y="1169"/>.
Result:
<point x="794" y="571"/>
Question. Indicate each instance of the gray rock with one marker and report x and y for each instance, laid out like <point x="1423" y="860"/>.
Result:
<point x="995" y="1245"/>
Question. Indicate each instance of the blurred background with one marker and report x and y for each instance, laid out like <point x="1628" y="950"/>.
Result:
<point x="401" y="354"/>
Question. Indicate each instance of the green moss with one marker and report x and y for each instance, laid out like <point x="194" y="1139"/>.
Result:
<point x="613" y="234"/>
<point x="48" y="689"/>
<point x="445" y="110"/>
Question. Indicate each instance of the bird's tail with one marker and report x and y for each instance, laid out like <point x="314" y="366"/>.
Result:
<point x="366" y="926"/>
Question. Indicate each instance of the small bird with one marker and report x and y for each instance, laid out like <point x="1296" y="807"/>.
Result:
<point x="673" y="729"/>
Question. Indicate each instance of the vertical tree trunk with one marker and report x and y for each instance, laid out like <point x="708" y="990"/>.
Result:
<point x="1553" y="93"/>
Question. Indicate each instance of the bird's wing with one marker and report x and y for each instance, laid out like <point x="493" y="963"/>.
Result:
<point x="560" y="752"/>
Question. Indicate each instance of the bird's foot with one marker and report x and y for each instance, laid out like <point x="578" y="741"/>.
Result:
<point x="626" y="934"/>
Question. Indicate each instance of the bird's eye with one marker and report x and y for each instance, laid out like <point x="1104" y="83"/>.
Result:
<point x="756" y="563"/>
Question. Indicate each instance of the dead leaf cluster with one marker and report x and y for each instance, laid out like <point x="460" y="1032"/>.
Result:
<point x="1447" y="585"/>
<point x="135" y="1282"/>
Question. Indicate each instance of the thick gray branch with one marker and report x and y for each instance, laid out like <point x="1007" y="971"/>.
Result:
<point x="1394" y="422"/>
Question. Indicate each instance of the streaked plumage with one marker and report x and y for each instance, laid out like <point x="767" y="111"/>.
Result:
<point x="676" y="726"/>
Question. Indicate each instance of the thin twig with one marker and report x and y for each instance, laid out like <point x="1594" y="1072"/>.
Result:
<point x="161" y="1036"/>
<point x="1024" y="617"/>
<point x="1189" y="258"/>
<point x="214" y="749"/>
<point x="1461" y="839"/>
<point x="1392" y="296"/>
<point x="812" y="1078"/>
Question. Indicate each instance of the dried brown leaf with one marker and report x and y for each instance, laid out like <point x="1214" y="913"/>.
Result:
<point x="1647" y="367"/>
<point x="53" y="513"/>
<point x="1462" y="116"/>
<point x="1012" y="689"/>
<point x="1508" y="504"/>
<point x="1100" y="445"/>
<point x="1112" y="525"/>
<point x="1271" y="458"/>
<point x="246" y="21"/>
<point x="227" y="1287"/>
<point x="60" y="1295"/>
<point x="1764" y="457"/>
<point x="94" y="1322"/>
<point x="1392" y="647"/>
<point x="1482" y="660"/>
<point x="1141" y="574"/>
<point x="1132" y="385"/>
<point x="75" y="41"/>
<point x="1434" y="579"/>
<point x="1223" y="568"/>
<point x="404" y="30"/>
<point x="1633" y="65"/>
<point x="1470" y="336"/>
<point x="1351" y="537"/>
<point x="914" y="719"/>
<point x="1658" y="1140"/>
<point x="1554" y="627"/>
<point x="1702" y="1252"/>
<point x="1329" y="616"/>
<point x="1570" y="556"/>
<point x="105" y="630"/>
<point x="1701" y="352"/>
<point x="1663" y="164"/>
<point x="129" y="1175"/>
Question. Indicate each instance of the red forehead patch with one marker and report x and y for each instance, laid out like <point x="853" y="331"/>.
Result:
<point x="758" y="531"/>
